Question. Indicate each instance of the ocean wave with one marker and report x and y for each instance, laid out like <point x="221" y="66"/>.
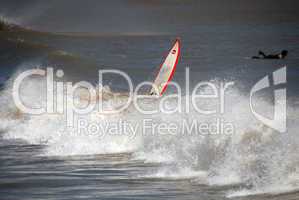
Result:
<point x="254" y="156"/>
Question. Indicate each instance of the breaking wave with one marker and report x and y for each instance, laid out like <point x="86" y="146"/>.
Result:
<point x="254" y="157"/>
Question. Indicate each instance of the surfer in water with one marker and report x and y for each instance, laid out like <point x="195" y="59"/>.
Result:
<point x="262" y="55"/>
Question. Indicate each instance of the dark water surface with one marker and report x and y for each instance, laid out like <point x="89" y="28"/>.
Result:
<point x="37" y="162"/>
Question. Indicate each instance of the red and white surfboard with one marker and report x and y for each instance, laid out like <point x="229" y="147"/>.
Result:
<point x="167" y="69"/>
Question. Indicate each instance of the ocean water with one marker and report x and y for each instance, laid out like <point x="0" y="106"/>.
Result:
<point x="41" y="160"/>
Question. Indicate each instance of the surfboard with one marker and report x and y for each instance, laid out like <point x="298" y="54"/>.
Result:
<point x="167" y="69"/>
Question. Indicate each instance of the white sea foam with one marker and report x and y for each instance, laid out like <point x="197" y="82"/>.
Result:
<point x="177" y="173"/>
<point x="254" y="155"/>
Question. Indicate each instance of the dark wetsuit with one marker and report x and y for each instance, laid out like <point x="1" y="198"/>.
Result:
<point x="262" y="55"/>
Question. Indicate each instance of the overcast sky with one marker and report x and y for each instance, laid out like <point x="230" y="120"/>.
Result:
<point x="145" y="15"/>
